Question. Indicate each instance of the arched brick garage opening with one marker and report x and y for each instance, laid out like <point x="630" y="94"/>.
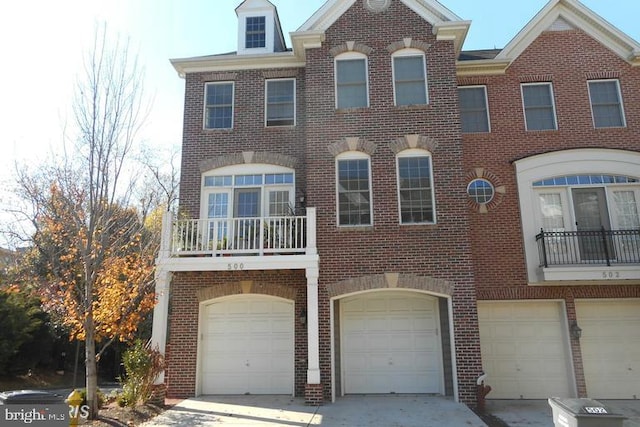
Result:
<point x="391" y="333"/>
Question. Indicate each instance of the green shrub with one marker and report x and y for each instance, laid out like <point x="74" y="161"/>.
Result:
<point x="142" y="366"/>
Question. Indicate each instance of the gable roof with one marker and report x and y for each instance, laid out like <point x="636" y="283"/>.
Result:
<point x="446" y="24"/>
<point x="571" y="13"/>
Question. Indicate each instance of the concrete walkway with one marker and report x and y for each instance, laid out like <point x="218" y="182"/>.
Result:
<point x="349" y="411"/>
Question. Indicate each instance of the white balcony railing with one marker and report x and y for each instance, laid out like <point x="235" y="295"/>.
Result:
<point x="283" y="235"/>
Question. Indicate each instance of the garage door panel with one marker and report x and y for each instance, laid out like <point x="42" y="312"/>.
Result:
<point x="504" y="349"/>
<point x="524" y="350"/>
<point x="247" y="346"/>
<point x="610" y="346"/>
<point x="395" y="345"/>
<point x="503" y="369"/>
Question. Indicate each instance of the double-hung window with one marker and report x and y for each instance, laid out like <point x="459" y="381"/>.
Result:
<point x="539" y="109"/>
<point x="354" y="189"/>
<point x="606" y="103"/>
<point x="280" y="102"/>
<point x="218" y="105"/>
<point x="255" y="36"/>
<point x="409" y="77"/>
<point x="474" y="110"/>
<point x="415" y="187"/>
<point x="351" y="81"/>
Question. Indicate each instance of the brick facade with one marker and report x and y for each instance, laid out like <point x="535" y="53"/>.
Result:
<point x="190" y="288"/>
<point x="469" y="254"/>
<point x="571" y="58"/>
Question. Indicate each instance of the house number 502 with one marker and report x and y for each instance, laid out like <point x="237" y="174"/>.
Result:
<point x="610" y="274"/>
<point x="236" y="266"/>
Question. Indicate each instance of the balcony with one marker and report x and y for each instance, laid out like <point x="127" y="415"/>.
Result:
<point x="207" y="244"/>
<point x="589" y="255"/>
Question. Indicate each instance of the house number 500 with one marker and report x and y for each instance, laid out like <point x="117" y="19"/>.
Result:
<point x="236" y="266"/>
<point x="610" y="274"/>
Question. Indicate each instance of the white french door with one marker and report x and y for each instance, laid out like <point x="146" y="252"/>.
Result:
<point x="589" y="210"/>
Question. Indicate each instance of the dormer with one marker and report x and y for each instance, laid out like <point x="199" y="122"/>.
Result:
<point x="259" y="28"/>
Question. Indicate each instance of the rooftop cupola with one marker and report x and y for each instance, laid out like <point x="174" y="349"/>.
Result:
<point x="259" y="28"/>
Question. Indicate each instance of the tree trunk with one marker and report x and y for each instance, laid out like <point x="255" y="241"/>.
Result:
<point x="91" y="367"/>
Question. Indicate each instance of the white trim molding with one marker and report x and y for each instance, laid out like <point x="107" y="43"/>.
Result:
<point x="559" y="163"/>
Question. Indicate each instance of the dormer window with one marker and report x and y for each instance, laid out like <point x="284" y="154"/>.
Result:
<point x="259" y="30"/>
<point x="256" y="32"/>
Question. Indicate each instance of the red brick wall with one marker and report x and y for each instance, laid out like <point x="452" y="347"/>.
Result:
<point x="567" y="59"/>
<point x="441" y="250"/>
<point x="248" y="133"/>
<point x="183" y="321"/>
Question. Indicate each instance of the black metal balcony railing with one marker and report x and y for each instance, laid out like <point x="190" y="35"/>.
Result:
<point x="603" y="247"/>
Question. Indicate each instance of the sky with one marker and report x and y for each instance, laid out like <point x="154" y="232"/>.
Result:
<point x="42" y="43"/>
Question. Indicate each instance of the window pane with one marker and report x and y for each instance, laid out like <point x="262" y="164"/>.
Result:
<point x="280" y="103"/>
<point x="538" y="105"/>
<point x="606" y="105"/>
<point x="255" y="36"/>
<point x="409" y="80"/>
<point x="481" y="191"/>
<point x="218" y="207"/>
<point x="279" y="178"/>
<point x="473" y="109"/>
<point x="279" y="203"/>
<point x="354" y="197"/>
<point x="626" y="209"/>
<point x="416" y="199"/>
<point x="585" y="180"/>
<point x="551" y="210"/>
<point x="217" y="181"/>
<point x="249" y="180"/>
<point x="351" y="82"/>
<point x="247" y="203"/>
<point x="219" y="106"/>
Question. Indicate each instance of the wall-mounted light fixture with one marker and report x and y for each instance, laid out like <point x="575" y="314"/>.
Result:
<point x="303" y="316"/>
<point x="576" y="331"/>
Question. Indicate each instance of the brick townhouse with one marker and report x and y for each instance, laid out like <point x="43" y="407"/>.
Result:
<point x="368" y="208"/>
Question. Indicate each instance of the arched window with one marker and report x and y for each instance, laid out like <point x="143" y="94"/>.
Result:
<point x="352" y="87"/>
<point x="410" y="77"/>
<point x="353" y="182"/>
<point x="415" y="187"/>
<point x="248" y="191"/>
<point x="567" y="198"/>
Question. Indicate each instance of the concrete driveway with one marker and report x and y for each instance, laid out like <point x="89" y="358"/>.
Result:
<point x="349" y="411"/>
<point x="537" y="413"/>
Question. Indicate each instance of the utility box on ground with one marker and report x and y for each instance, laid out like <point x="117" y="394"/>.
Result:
<point x="583" y="413"/>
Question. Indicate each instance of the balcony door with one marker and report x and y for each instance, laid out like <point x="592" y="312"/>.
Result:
<point x="236" y="203"/>
<point x="592" y="215"/>
<point x="247" y="210"/>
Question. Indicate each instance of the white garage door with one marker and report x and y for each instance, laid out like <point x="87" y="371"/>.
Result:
<point x="610" y="347"/>
<point x="391" y="344"/>
<point x="247" y="346"/>
<point x="525" y="350"/>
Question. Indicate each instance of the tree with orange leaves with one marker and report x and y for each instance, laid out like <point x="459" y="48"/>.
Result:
<point x="92" y="257"/>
